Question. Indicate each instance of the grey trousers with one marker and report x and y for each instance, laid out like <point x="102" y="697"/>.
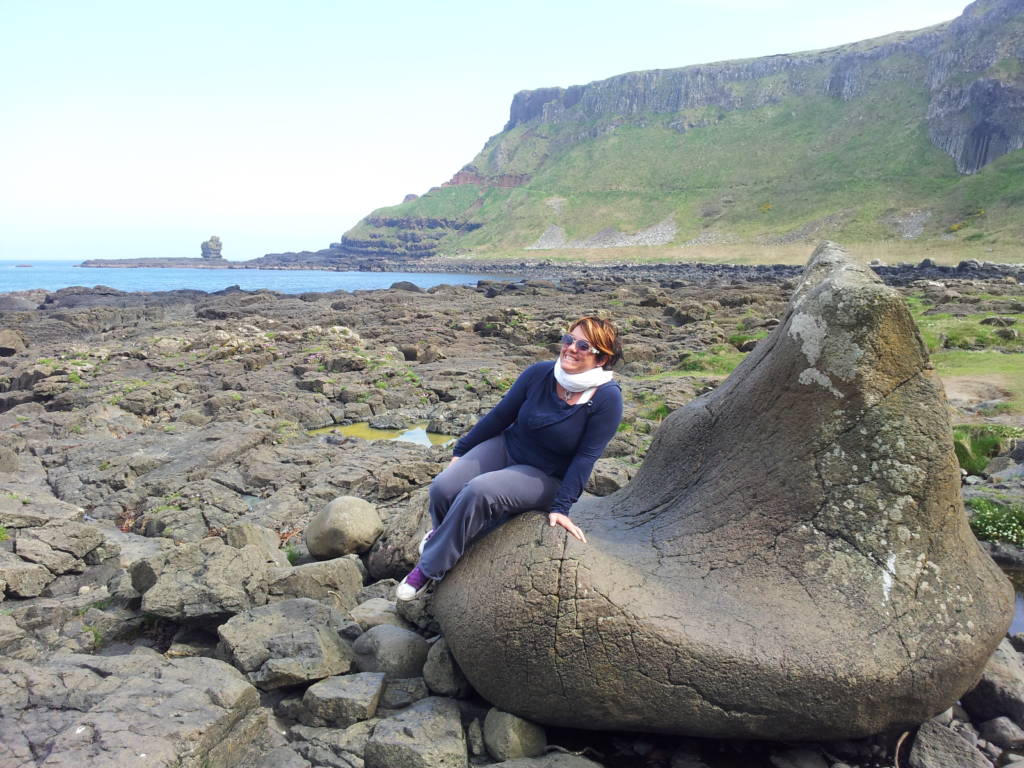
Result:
<point x="476" y="494"/>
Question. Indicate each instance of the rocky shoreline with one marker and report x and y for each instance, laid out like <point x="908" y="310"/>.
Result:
<point x="158" y="483"/>
<point x="335" y="260"/>
<point x="159" y="263"/>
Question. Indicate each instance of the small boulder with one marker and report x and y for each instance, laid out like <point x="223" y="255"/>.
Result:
<point x="405" y="285"/>
<point x="267" y="541"/>
<point x="77" y="539"/>
<point x="23" y="579"/>
<point x="393" y="650"/>
<point x="376" y="611"/>
<point x="286" y="643"/>
<point x="1001" y="688"/>
<point x="402" y="692"/>
<point x="12" y="342"/>
<point x="385" y="589"/>
<point x="342" y="362"/>
<point x="358" y="411"/>
<point x="1002" y="732"/>
<point x="938" y="747"/>
<point x="427" y="734"/>
<point x="420" y="614"/>
<point x="341" y="701"/>
<point x="203" y="582"/>
<point x="336" y="582"/>
<point x="509" y="737"/>
<point x="442" y="672"/>
<point x="687" y="312"/>
<point x="388" y="421"/>
<point x="333" y="746"/>
<point x="347" y="525"/>
<point x="56" y="562"/>
<point x="60" y="545"/>
<point x="395" y="552"/>
<point x="609" y="475"/>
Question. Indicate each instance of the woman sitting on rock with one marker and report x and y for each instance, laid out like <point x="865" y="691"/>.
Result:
<point x="534" y="450"/>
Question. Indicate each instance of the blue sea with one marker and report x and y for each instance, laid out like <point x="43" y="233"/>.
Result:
<point x="53" y="275"/>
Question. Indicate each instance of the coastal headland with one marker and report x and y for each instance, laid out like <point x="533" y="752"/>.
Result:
<point x="904" y="147"/>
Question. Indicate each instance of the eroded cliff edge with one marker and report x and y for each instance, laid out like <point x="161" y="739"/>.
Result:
<point x="865" y="141"/>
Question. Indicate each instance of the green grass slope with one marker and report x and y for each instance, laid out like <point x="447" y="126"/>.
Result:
<point x="805" y="166"/>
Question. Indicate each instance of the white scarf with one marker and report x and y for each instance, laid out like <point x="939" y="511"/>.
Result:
<point x="580" y="382"/>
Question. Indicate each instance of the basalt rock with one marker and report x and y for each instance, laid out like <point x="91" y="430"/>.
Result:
<point x="211" y="249"/>
<point x="12" y="342"/>
<point x="289" y="643"/>
<point x="134" y="709"/>
<point x="202" y="582"/>
<point x="791" y="561"/>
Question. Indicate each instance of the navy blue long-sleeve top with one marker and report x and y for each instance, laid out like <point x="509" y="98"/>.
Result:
<point x="545" y="432"/>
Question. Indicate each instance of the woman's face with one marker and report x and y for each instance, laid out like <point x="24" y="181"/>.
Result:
<point x="574" y="361"/>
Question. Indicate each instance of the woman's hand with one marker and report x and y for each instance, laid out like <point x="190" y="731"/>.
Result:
<point x="557" y="518"/>
<point x="454" y="459"/>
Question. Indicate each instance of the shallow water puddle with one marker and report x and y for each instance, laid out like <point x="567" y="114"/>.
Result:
<point x="251" y="500"/>
<point x="416" y="434"/>
<point x="1017" y="579"/>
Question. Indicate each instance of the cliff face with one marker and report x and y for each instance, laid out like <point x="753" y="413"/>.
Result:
<point x="973" y="68"/>
<point x="852" y="142"/>
<point x="399" y="237"/>
<point x="976" y="113"/>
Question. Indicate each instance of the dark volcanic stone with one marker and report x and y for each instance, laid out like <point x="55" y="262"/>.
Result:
<point x="15" y="304"/>
<point x="791" y="561"/>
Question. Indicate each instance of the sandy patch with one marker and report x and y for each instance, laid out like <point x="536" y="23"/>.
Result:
<point x="974" y="389"/>
<point x="973" y="397"/>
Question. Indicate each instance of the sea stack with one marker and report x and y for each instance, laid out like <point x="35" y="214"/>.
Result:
<point x="211" y="248"/>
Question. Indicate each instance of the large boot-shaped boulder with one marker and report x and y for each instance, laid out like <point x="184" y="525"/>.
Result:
<point x="792" y="560"/>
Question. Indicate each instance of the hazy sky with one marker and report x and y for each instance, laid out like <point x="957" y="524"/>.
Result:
<point x="140" y="128"/>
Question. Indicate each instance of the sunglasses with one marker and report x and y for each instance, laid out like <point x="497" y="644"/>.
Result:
<point x="582" y="345"/>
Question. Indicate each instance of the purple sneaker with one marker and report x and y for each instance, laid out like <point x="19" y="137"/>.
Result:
<point x="425" y="539"/>
<point x="413" y="585"/>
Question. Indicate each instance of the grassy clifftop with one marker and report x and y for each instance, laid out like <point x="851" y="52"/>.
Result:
<point x="859" y="143"/>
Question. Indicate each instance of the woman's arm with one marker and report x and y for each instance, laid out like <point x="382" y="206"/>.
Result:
<point x="501" y="416"/>
<point x="601" y="427"/>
